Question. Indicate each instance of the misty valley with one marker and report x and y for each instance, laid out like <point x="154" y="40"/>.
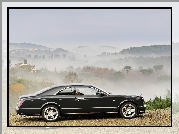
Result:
<point x="143" y="70"/>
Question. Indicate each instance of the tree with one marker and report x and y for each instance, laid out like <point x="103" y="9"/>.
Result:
<point x="118" y="76"/>
<point x="146" y="71"/>
<point x="64" y="56"/>
<point x="164" y="78"/>
<point x="72" y="77"/>
<point x="25" y="61"/>
<point x="158" y="67"/>
<point x="29" y="56"/>
<point x="127" y="68"/>
<point x="43" y="57"/>
<point x="47" y="83"/>
<point x="35" y="56"/>
<point x="140" y="67"/>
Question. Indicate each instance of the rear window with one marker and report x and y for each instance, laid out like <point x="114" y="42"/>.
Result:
<point x="51" y="91"/>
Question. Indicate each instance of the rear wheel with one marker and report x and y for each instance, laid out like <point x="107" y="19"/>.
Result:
<point x="128" y="110"/>
<point x="50" y="113"/>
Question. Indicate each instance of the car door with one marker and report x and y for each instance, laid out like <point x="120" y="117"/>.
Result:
<point x="71" y="103"/>
<point x="106" y="104"/>
<point x="102" y="104"/>
<point x="92" y="103"/>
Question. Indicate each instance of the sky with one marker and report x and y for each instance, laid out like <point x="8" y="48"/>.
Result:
<point x="90" y="27"/>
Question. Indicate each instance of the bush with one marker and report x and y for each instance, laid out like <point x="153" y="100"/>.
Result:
<point x="17" y="87"/>
<point x="72" y="77"/>
<point x="163" y="78"/>
<point x="117" y="76"/>
<point x="46" y="83"/>
<point x="146" y="71"/>
<point x="158" y="103"/>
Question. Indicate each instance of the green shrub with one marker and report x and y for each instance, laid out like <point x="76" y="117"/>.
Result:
<point x="158" y="103"/>
<point x="163" y="78"/>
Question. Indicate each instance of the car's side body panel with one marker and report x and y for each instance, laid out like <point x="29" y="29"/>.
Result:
<point x="77" y="104"/>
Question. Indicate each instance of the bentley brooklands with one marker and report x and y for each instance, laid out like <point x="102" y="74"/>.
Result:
<point x="61" y="100"/>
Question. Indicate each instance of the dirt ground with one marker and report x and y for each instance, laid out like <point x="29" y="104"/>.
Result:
<point x="91" y="130"/>
<point x="160" y="117"/>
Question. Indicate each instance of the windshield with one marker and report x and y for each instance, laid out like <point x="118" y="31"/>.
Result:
<point x="101" y="90"/>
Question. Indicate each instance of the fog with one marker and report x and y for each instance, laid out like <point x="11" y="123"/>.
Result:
<point x="134" y="83"/>
<point x="175" y="77"/>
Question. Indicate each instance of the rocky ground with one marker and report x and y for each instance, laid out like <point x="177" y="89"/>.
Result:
<point x="151" y="118"/>
<point x="160" y="117"/>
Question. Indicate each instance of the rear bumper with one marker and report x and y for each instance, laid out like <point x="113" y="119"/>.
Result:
<point x="141" y="109"/>
<point x="17" y="110"/>
<point x="27" y="111"/>
<point x="20" y="111"/>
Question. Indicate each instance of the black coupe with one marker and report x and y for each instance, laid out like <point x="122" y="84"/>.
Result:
<point x="56" y="101"/>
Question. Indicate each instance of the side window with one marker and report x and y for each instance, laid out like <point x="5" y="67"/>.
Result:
<point x="66" y="91"/>
<point x="84" y="90"/>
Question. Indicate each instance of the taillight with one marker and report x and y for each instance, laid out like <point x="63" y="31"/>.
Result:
<point x="20" y="102"/>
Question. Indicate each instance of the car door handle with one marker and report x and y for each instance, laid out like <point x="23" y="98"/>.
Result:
<point x="77" y="99"/>
<point x="80" y="98"/>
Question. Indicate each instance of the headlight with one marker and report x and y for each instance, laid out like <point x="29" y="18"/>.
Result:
<point x="138" y="98"/>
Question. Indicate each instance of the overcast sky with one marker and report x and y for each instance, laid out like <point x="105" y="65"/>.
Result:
<point x="76" y="27"/>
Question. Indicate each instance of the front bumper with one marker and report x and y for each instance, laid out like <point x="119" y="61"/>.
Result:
<point x="141" y="109"/>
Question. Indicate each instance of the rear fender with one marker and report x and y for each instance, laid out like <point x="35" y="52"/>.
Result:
<point x="49" y="103"/>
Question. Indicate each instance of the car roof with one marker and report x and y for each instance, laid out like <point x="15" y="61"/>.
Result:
<point x="66" y="85"/>
<point x="72" y="84"/>
<point x="78" y="84"/>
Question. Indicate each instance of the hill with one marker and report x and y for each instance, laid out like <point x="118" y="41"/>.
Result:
<point x="26" y="46"/>
<point x="148" y="50"/>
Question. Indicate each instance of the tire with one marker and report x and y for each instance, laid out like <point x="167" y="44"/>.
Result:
<point x="50" y="113"/>
<point x="128" y="110"/>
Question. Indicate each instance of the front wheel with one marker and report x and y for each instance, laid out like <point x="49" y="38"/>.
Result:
<point x="50" y="113"/>
<point x="128" y="110"/>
